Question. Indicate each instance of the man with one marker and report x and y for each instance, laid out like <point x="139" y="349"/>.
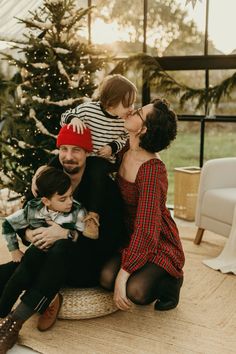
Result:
<point x="79" y="263"/>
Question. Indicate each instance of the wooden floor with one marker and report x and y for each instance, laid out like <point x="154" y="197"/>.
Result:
<point x="204" y="322"/>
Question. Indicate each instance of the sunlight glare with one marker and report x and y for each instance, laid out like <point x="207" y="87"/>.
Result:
<point x="222" y="25"/>
<point x="107" y="33"/>
<point x="4" y="45"/>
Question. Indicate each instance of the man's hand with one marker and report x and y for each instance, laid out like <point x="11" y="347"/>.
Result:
<point x="105" y="151"/>
<point x="77" y="125"/>
<point x="120" y="298"/>
<point x="16" y="255"/>
<point x="45" y="237"/>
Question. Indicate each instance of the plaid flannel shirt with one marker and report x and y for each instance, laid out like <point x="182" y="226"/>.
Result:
<point x="35" y="215"/>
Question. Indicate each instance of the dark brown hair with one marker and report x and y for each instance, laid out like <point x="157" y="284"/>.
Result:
<point x="52" y="180"/>
<point x="161" y="124"/>
<point x="115" y="89"/>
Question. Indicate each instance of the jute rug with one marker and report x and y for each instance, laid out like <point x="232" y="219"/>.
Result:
<point x="204" y="322"/>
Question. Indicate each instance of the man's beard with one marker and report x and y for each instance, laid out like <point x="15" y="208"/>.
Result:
<point x="71" y="170"/>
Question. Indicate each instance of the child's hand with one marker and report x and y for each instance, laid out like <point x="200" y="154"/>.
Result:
<point x="16" y="255"/>
<point x="77" y="125"/>
<point x="105" y="151"/>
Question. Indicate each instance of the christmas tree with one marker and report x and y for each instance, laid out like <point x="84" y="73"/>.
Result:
<point x="56" y="72"/>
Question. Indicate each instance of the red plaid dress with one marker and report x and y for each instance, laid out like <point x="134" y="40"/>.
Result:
<point x="153" y="233"/>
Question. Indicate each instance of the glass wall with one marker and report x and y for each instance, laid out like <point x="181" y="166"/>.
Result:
<point x="117" y="26"/>
<point x="222" y="26"/>
<point x="220" y="140"/>
<point x="194" y="79"/>
<point x="184" y="151"/>
<point x="172" y="28"/>
<point x="175" y="29"/>
<point x="226" y="106"/>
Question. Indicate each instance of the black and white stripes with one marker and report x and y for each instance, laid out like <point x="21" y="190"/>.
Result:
<point x="105" y="129"/>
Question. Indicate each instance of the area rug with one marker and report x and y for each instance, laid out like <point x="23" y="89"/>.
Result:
<point x="204" y="322"/>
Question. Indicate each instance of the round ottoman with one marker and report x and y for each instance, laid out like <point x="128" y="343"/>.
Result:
<point x="86" y="303"/>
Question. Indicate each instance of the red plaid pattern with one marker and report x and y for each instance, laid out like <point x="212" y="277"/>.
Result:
<point x="153" y="233"/>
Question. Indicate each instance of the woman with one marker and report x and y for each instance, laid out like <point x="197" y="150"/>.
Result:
<point x="150" y="267"/>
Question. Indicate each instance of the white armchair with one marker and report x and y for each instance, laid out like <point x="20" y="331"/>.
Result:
<point x="216" y="197"/>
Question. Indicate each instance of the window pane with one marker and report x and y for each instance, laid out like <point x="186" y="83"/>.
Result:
<point x="193" y="79"/>
<point x="118" y="26"/>
<point x="83" y="31"/>
<point x="227" y="104"/>
<point x="174" y="28"/>
<point x="220" y="140"/>
<point x="222" y="26"/>
<point x="184" y="151"/>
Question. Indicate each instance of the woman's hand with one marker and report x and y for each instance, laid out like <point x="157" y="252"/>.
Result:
<point x="45" y="237"/>
<point x="77" y="125"/>
<point x="105" y="151"/>
<point x="16" y="255"/>
<point x="120" y="299"/>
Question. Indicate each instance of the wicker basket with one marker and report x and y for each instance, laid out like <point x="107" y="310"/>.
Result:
<point x="86" y="303"/>
<point x="186" y="180"/>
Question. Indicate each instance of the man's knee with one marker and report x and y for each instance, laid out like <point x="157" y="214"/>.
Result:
<point x="61" y="247"/>
<point x="107" y="279"/>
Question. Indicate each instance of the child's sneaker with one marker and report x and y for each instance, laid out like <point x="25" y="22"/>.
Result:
<point x="91" y="228"/>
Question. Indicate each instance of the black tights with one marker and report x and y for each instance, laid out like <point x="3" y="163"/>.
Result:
<point x="145" y="285"/>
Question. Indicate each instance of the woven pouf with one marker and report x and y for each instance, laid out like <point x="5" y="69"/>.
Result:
<point x="86" y="303"/>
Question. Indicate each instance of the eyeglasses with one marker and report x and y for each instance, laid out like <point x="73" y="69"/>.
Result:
<point x="139" y="112"/>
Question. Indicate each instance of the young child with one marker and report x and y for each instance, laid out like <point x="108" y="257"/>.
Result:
<point x="54" y="203"/>
<point x="105" y="119"/>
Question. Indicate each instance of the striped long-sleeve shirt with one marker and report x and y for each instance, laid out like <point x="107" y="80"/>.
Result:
<point x="105" y="128"/>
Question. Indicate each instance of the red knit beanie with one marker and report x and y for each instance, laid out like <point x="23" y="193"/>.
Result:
<point x="66" y="136"/>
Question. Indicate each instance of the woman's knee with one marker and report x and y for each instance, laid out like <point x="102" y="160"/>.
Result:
<point x="137" y="294"/>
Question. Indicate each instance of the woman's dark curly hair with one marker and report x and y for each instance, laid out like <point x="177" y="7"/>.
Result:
<point x="161" y="124"/>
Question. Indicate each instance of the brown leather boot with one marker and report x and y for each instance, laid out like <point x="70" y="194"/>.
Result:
<point x="49" y="317"/>
<point x="9" y="330"/>
<point x="91" y="229"/>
